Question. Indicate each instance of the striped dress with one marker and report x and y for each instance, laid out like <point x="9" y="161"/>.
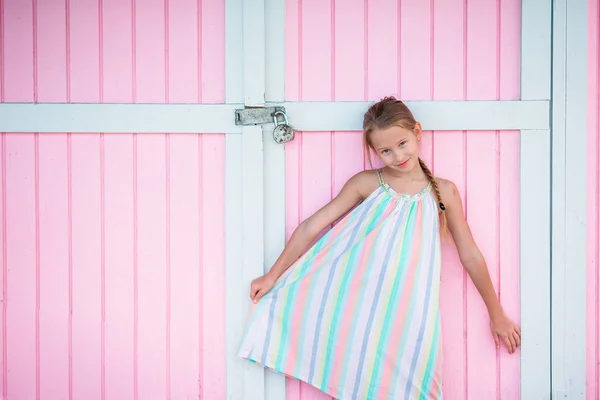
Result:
<point x="357" y="316"/>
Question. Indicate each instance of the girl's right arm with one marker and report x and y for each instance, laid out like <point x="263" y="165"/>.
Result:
<point x="305" y="233"/>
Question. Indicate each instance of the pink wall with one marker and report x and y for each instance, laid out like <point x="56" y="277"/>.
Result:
<point x="593" y="202"/>
<point x="112" y="245"/>
<point x="442" y="50"/>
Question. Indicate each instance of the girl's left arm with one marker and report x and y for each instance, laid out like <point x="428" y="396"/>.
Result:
<point x="472" y="260"/>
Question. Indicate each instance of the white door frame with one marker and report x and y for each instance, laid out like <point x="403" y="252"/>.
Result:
<point x="552" y="108"/>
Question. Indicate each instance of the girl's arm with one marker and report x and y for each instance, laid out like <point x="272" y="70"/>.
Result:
<point x="306" y="232"/>
<point x="475" y="265"/>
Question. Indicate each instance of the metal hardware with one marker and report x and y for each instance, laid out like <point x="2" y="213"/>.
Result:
<point x="256" y="116"/>
<point x="283" y="132"/>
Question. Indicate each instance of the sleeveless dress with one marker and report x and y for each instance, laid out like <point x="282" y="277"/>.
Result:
<point x="357" y="316"/>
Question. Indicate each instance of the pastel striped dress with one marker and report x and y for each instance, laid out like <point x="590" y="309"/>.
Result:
<point x="357" y="316"/>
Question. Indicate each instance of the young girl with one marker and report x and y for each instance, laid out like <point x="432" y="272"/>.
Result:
<point x="357" y="315"/>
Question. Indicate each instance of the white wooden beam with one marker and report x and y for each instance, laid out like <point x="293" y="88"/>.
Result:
<point x="220" y="118"/>
<point x="569" y="138"/>
<point x="274" y="161"/>
<point x="535" y="205"/>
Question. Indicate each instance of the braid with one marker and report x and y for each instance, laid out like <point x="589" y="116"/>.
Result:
<point x="436" y="189"/>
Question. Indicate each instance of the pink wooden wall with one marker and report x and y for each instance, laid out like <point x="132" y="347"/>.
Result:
<point x="593" y="202"/>
<point x="112" y="245"/>
<point x="425" y="50"/>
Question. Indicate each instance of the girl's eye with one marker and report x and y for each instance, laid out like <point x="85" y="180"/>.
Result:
<point x="385" y="151"/>
<point x="402" y="143"/>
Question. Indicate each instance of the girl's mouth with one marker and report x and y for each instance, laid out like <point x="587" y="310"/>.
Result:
<point x="402" y="164"/>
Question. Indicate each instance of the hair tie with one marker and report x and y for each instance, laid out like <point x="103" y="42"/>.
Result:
<point x="442" y="206"/>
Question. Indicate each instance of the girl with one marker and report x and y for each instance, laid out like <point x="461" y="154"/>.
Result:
<point x="357" y="315"/>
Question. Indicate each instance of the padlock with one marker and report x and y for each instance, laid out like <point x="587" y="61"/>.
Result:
<point x="283" y="132"/>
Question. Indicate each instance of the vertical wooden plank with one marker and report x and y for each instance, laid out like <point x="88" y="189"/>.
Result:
<point x="184" y="51"/>
<point x="509" y="56"/>
<point x="117" y="51"/>
<point x="482" y="192"/>
<point x="185" y="208"/>
<point x="83" y="78"/>
<point x="449" y="74"/>
<point x="593" y="202"/>
<point x="382" y="59"/>
<point x="19" y="64"/>
<point x="274" y="161"/>
<point x="349" y="66"/>
<point x="536" y="49"/>
<point x="416" y="34"/>
<point x="293" y="54"/>
<point x="482" y="216"/>
<point x="3" y="320"/>
<point x="568" y="332"/>
<point x="83" y="36"/>
<point x="51" y="74"/>
<point x="212" y="66"/>
<point x="450" y="163"/>
<point x="20" y="256"/>
<point x="235" y="286"/>
<point x="316" y="50"/>
<point x="508" y="244"/>
<point x="213" y="283"/>
<point x="153" y="265"/>
<point x="185" y="187"/>
<point x="534" y="231"/>
<point x="51" y="68"/>
<point x="508" y="254"/>
<point x="54" y="266"/>
<point x="449" y="51"/>
<point x="151" y="85"/>
<point x="86" y="269"/>
<point x="233" y="258"/>
<point x="119" y="216"/>
<point x="149" y="51"/>
<point x="120" y="211"/>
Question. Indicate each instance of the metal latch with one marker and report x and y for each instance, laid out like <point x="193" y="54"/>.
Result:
<point x="282" y="133"/>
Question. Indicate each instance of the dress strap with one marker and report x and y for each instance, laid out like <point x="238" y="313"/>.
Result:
<point x="380" y="177"/>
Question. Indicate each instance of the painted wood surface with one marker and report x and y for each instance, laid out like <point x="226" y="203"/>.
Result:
<point x="593" y="202"/>
<point x="112" y="245"/>
<point x="442" y="50"/>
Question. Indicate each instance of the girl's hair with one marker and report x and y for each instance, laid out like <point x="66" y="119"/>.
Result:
<point x="392" y="112"/>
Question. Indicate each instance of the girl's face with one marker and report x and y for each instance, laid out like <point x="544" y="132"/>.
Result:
<point x="398" y="148"/>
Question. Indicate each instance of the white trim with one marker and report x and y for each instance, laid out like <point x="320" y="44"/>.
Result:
<point x="220" y="118"/>
<point x="252" y="249"/>
<point x="234" y="285"/>
<point x="244" y="188"/>
<point x="570" y="38"/>
<point x="535" y="205"/>
<point x="535" y="264"/>
<point x="434" y="115"/>
<point x="274" y="161"/>
<point x="119" y="118"/>
<point x="536" y="50"/>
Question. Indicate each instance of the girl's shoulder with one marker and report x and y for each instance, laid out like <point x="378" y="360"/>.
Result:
<point x="448" y="190"/>
<point x="365" y="182"/>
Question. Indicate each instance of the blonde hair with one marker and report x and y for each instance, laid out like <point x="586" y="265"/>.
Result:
<point x="392" y="112"/>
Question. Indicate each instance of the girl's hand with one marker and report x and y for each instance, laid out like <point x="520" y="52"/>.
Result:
<point x="261" y="286"/>
<point x="503" y="327"/>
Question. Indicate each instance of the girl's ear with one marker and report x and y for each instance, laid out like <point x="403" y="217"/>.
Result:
<point x="418" y="131"/>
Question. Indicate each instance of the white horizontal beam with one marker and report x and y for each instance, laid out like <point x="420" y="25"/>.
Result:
<point x="303" y="116"/>
<point x="433" y="115"/>
<point x="118" y="118"/>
